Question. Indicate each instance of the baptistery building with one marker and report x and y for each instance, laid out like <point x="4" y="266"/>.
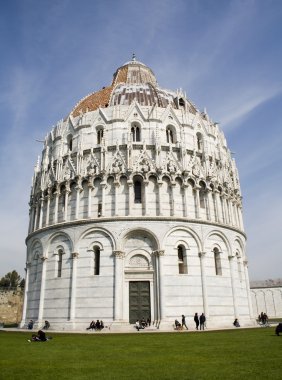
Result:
<point x="136" y="212"/>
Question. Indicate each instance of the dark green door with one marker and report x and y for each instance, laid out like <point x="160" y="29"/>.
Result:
<point x="139" y="300"/>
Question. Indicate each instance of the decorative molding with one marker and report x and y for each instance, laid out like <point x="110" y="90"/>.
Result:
<point x="119" y="254"/>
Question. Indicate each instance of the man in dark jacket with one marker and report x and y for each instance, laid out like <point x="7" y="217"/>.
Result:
<point x="202" y="321"/>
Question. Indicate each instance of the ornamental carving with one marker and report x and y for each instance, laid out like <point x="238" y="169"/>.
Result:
<point x="139" y="261"/>
<point x="119" y="254"/>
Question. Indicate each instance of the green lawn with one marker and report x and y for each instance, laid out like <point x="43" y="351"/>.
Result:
<point x="235" y="354"/>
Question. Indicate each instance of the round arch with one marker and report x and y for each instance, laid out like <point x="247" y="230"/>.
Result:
<point x="127" y="233"/>
<point x="63" y="244"/>
<point x="97" y="229"/>
<point x="189" y="231"/>
<point x="222" y="236"/>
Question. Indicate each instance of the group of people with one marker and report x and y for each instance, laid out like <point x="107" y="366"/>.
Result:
<point x="263" y="318"/>
<point x="31" y="323"/>
<point x="199" y="321"/>
<point x="142" y="323"/>
<point x="98" y="325"/>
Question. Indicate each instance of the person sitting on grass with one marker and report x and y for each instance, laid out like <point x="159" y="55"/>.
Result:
<point x="91" y="326"/>
<point x="278" y="329"/>
<point x="47" y="325"/>
<point x="177" y="325"/>
<point x="137" y="325"/>
<point x="40" y="337"/>
<point x="236" y="323"/>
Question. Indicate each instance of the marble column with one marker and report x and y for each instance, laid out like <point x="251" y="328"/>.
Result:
<point x="202" y="256"/>
<point x="146" y="197"/>
<point x="116" y="197"/>
<point x="218" y="206"/>
<point x="41" y="200"/>
<point x="186" y="199"/>
<point x="159" y="255"/>
<point x="77" y="203"/>
<point x="118" y="290"/>
<point x="35" y="216"/>
<point x="42" y="291"/>
<point x="222" y="208"/>
<point x="172" y="189"/>
<point x="23" y="321"/>
<point x="208" y="205"/>
<point x="233" y="284"/>
<point x="247" y="283"/>
<point x="57" y="194"/>
<point x="160" y="183"/>
<point x="31" y="221"/>
<point x="240" y="217"/>
<point x="103" y="186"/>
<point x="130" y="197"/>
<point x="90" y="188"/>
<point x="197" y="201"/>
<point x="48" y="208"/>
<point x="73" y="286"/>
<point x="67" y="192"/>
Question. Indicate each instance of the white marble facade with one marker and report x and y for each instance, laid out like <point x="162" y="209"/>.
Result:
<point x="136" y="185"/>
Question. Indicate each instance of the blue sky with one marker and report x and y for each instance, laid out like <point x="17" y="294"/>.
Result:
<point x="227" y="56"/>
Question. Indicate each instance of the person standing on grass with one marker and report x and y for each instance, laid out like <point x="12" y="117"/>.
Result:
<point x="202" y="321"/>
<point x="196" y="320"/>
<point x="183" y="322"/>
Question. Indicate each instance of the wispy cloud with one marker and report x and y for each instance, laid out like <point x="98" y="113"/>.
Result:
<point x="244" y="100"/>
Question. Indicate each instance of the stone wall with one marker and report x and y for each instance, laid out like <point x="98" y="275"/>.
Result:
<point x="11" y="304"/>
<point x="267" y="297"/>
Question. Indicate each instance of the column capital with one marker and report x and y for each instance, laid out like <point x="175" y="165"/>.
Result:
<point x="202" y="254"/>
<point x="119" y="254"/>
<point x="75" y="255"/>
<point x="43" y="258"/>
<point x="158" y="253"/>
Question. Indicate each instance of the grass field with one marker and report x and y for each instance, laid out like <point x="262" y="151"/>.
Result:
<point x="234" y="354"/>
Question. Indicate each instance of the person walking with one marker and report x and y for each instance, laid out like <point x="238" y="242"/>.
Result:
<point x="202" y="321"/>
<point x="183" y="322"/>
<point x="196" y="320"/>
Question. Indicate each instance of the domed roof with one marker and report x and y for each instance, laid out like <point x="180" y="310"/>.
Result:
<point x="132" y="81"/>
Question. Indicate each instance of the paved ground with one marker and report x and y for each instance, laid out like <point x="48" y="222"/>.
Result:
<point x="128" y="330"/>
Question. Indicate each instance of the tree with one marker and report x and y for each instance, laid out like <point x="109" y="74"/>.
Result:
<point x="10" y="280"/>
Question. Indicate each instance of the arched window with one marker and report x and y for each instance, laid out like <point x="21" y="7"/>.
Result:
<point x="69" y="142"/>
<point x="169" y="135"/>
<point x="96" y="261"/>
<point x="199" y="141"/>
<point x="137" y="191"/>
<point x="135" y="133"/>
<point x="182" y="260"/>
<point x="217" y="262"/>
<point x="60" y="263"/>
<point x="181" y="102"/>
<point x="202" y="195"/>
<point x="100" y="135"/>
